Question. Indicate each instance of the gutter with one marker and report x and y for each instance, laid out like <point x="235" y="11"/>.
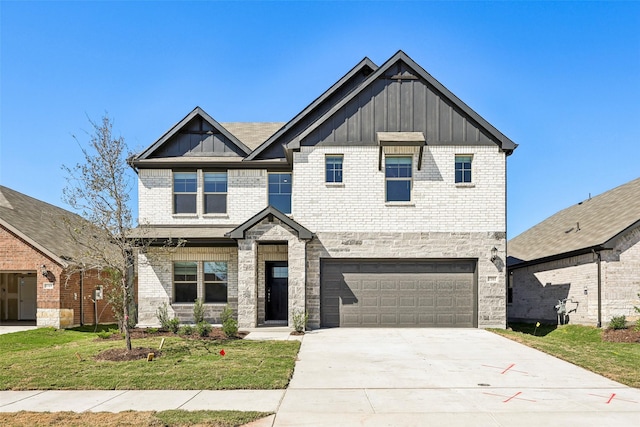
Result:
<point x="599" y="263"/>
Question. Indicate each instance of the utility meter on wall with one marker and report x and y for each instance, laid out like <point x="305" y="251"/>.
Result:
<point x="97" y="293"/>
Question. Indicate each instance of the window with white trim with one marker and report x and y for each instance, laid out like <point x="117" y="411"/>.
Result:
<point x="333" y="168"/>
<point x="463" y="168"/>
<point x="398" y="179"/>
<point x="185" y="190"/>
<point x="215" y="192"/>
<point x="185" y="281"/>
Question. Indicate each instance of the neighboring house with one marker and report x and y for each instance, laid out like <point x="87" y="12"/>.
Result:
<point x="37" y="278"/>
<point x="382" y="203"/>
<point x="587" y="254"/>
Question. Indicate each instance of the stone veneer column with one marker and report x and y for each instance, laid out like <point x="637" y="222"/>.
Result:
<point x="297" y="277"/>
<point x="247" y="284"/>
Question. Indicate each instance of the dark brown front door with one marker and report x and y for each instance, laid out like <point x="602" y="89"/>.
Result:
<point x="277" y="277"/>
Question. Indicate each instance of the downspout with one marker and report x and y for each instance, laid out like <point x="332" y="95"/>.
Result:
<point x="599" y="262"/>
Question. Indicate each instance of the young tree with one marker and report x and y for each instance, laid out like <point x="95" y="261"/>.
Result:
<point x="99" y="189"/>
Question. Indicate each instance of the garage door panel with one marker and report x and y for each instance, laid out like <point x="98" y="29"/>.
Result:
<point x="398" y="293"/>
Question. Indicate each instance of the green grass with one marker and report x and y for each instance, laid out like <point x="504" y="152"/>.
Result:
<point x="582" y="346"/>
<point x="47" y="359"/>
<point x="173" y="418"/>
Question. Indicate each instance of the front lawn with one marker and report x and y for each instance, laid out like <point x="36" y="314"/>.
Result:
<point x="582" y="346"/>
<point x="173" y="418"/>
<point x="50" y="359"/>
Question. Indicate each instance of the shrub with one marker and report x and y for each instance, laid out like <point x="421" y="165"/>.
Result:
<point x="108" y="333"/>
<point x="637" y="309"/>
<point x="198" y="311"/>
<point x="618" y="322"/>
<point x="300" y="320"/>
<point x="185" y="330"/>
<point x="152" y="330"/>
<point x="229" y="324"/>
<point x="174" y="325"/>
<point x="203" y="328"/>
<point x="162" y="313"/>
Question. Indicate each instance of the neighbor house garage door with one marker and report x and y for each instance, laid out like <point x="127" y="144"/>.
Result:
<point x="398" y="293"/>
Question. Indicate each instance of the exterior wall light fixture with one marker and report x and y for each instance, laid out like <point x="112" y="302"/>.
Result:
<point x="494" y="253"/>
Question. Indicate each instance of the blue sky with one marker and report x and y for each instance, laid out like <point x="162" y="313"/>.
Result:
<point x="561" y="79"/>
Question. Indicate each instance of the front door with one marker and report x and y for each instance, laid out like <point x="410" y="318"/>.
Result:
<point x="277" y="292"/>
<point x="27" y="289"/>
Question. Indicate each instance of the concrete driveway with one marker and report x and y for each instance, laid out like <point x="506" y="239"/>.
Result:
<point x="448" y="377"/>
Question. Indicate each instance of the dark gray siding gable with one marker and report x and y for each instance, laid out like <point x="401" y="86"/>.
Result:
<point x="198" y="138"/>
<point x="399" y="101"/>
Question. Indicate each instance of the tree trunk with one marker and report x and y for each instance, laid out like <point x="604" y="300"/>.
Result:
<point x="125" y="311"/>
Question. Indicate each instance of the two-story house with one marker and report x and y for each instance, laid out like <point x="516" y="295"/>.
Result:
<point x="382" y="203"/>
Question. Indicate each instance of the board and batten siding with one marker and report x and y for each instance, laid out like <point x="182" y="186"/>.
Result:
<point x="399" y="105"/>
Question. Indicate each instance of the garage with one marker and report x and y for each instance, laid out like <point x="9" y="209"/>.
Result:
<point x="398" y="293"/>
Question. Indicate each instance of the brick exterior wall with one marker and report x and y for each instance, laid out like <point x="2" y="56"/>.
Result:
<point x="443" y="220"/>
<point x="537" y="288"/>
<point x="155" y="278"/>
<point x="58" y="307"/>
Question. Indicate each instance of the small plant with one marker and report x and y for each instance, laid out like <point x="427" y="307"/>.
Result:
<point x="198" y="311"/>
<point x="203" y="328"/>
<point x="229" y="324"/>
<point x="637" y="309"/>
<point x="162" y="313"/>
<point x="300" y="320"/>
<point x="185" y="330"/>
<point x="152" y="330"/>
<point x="618" y="322"/>
<point x="174" y="325"/>
<point x="108" y="334"/>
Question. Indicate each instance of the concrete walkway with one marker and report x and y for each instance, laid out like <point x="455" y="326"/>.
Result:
<point x="392" y="377"/>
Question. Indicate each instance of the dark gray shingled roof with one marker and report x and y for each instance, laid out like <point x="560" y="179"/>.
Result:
<point x="38" y="223"/>
<point x="589" y="224"/>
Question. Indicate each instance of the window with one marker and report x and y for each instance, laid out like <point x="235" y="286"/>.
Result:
<point x="215" y="192"/>
<point x="510" y="289"/>
<point x="215" y="282"/>
<point x="398" y="179"/>
<point x="333" y="167"/>
<point x="184" y="192"/>
<point x="185" y="282"/>
<point x="280" y="191"/>
<point x="463" y="168"/>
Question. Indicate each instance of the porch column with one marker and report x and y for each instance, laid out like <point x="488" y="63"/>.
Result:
<point x="297" y="277"/>
<point x="247" y="284"/>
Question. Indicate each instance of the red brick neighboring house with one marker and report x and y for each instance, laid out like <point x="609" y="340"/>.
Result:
<point x="37" y="279"/>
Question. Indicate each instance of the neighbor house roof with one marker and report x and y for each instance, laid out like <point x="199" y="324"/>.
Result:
<point x="38" y="223"/>
<point x="590" y="224"/>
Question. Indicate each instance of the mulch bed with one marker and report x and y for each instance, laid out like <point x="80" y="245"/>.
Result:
<point x="123" y="355"/>
<point x="621" y="335"/>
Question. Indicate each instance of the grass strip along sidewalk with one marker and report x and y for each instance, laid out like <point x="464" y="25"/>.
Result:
<point x="50" y="359"/>
<point x="583" y="346"/>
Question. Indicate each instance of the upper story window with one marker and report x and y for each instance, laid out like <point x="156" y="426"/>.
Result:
<point x="398" y="179"/>
<point x="215" y="192"/>
<point x="463" y="168"/>
<point x="215" y="282"/>
<point x="185" y="189"/>
<point x="185" y="282"/>
<point x="333" y="168"/>
<point x="280" y="191"/>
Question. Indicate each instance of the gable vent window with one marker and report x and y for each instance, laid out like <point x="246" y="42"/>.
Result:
<point x="280" y="191"/>
<point x="184" y="192"/>
<point x="463" y="168"/>
<point x="398" y="179"/>
<point x="215" y="192"/>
